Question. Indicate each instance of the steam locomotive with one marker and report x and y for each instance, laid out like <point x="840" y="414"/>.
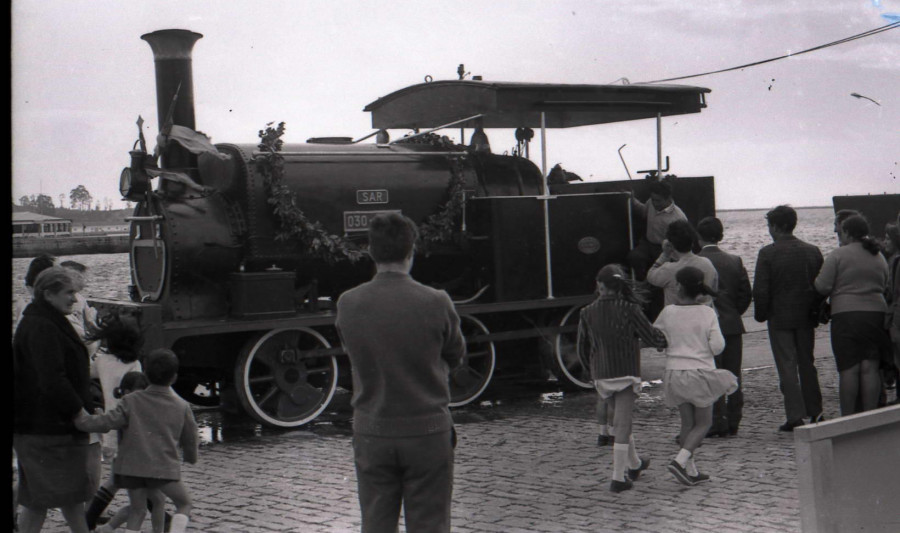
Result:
<point x="240" y="250"/>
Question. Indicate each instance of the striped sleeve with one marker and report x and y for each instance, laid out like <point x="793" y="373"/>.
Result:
<point x="583" y="344"/>
<point x="644" y="329"/>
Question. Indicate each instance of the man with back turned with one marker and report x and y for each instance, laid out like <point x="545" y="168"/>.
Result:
<point x="733" y="299"/>
<point x="402" y="339"/>
<point x="784" y="296"/>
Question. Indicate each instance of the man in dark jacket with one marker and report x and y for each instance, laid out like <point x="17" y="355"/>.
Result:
<point x="733" y="299"/>
<point x="402" y="339"/>
<point x="784" y="295"/>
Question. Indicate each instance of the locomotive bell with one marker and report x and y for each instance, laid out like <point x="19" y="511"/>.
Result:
<point x="479" y="141"/>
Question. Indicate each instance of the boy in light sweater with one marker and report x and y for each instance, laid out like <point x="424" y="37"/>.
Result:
<point x="153" y="424"/>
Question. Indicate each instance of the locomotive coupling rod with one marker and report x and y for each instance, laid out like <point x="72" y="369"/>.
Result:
<point x="454" y="123"/>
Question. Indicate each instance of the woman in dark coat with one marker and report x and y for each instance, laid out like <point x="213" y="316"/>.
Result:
<point x="52" y="383"/>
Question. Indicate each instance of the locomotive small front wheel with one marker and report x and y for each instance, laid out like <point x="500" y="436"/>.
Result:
<point x="567" y="366"/>
<point x="468" y="380"/>
<point x="281" y="382"/>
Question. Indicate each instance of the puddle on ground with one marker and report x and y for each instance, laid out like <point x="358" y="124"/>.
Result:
<point x="218" y="425"/>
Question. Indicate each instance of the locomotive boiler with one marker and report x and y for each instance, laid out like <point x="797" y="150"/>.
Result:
<point x="239" y="250"/>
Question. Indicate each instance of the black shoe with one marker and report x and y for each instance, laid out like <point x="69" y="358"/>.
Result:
<point x="619" y="486"/>
<point x="717" y="433"/>
<point x="604" y="440"/>
<point x="699" y="478"/>
<point x="816" y="419"/>
<point x="732" y="432"/>
<point x="634" y="473"/>
<point x="678" y="440"/>
<point x="789" y="426"/>
<point x="680" y="473"/>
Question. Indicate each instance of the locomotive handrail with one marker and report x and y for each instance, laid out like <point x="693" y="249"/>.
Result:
<point x="363" y="154"/>
<point x="472" y="298"/>
<point x="144" y="219"/>
<point x="454" y="123"/>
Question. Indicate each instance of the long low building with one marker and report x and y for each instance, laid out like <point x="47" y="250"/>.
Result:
<point x="25" y="224"/>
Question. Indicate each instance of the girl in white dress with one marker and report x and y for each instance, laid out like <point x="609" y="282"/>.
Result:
<point x="692" y="383"/>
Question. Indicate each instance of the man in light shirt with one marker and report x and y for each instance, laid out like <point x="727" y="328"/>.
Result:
<point x="659" y="211"/>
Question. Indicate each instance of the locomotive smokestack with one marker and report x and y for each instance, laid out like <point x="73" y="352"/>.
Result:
<point x="172" y="55"/>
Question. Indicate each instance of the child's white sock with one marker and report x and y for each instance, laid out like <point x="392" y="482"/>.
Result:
<point x="604" y="429"/>
<point x="682" y="457"/>
<point x="633" y="460"/>
<point x="691" y="467"/>
<point x="179" y="523"/>
<point x="620" y="460"/>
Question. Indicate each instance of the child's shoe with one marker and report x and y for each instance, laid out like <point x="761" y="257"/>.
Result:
<point x="604" y="440"/>
<point x="680" y="473"/>
<point x="619" y="486"/>
<point x="634" y="473"/>
<point x="699" y="478"/>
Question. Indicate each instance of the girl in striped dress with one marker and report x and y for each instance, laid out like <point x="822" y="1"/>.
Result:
<point x="609" y="333"/>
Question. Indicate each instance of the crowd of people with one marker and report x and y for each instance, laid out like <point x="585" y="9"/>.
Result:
<point x="706" y="293"/>
<point x="59" y="346"/>
<point x="403" y="339"/>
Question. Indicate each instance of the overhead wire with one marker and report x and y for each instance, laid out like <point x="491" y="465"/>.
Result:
<point x="869" y="33"/>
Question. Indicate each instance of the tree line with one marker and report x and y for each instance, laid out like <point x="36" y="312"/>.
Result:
<point x="79" y="198"/>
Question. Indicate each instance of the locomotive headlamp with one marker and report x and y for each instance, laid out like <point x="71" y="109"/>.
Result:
<point x="133" y="184"/>
<point x="134" y="181"/>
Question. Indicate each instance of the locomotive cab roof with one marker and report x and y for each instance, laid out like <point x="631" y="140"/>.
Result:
<point x="476" y="103"/>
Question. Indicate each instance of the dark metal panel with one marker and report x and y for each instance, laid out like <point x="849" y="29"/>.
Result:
<point x="515" y="227"/>
<point x="586" y="232"/>
<point x="696" y="196"/>
<point x="879" y="209"/>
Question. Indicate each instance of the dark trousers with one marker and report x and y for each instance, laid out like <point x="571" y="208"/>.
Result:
<point x="416" y="472"/>
<point x="727" y="409"/>
<point x="797" y="376"/>
<point x="642" y="256"/>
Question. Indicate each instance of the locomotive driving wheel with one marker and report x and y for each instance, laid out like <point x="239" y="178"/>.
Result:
<point x="567" y="366"/>
<point x="468" y="380"/>
<point x="279" y="383"/>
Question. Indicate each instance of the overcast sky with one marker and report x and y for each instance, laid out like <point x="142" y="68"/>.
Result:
<point x="784" y="132"/>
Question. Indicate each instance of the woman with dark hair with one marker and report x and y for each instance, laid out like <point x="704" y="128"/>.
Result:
<point x="52" y="384"/>
<point x="37" y="265"/>
<point x="855" y="277"/>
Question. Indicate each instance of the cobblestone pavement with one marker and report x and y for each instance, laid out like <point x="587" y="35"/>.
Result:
<point x="523" y="465"/>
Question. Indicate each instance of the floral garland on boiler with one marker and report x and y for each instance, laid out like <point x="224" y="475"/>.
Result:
<point x="294" y="223"/>
<point x="438" y="228"/>
<point x="442" y="226"/>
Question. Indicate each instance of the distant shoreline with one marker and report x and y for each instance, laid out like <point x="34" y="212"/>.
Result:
<point x="765" y="208"/>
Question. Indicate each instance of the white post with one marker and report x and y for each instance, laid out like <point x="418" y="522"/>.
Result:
<point x="659" y="145"/>
<point x="545" y="199"/>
